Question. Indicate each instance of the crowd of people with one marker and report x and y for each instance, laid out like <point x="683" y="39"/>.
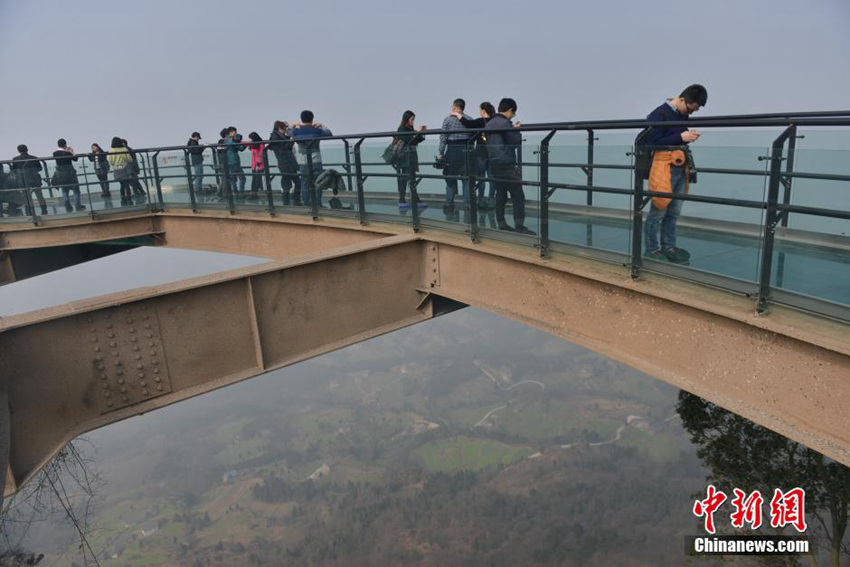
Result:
<point x="495" y="156"/>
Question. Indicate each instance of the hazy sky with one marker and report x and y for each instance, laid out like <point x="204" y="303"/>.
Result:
<point x="153" y="71"/>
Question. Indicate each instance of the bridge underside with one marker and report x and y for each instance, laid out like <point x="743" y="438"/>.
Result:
<point x="74" y="368"/>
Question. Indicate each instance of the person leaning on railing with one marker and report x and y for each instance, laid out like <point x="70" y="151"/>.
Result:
<point x="482" y="164"/>
<point x="101" y="168"/>
<point x="281" y="143"/>
<point x="27" y="170"/>
<point x="65" y="175"/>
<point x="669" y="172"/>
<point x="502" y="148"/>
<point x="122" y="164"/>
<point x="196" y="160"/>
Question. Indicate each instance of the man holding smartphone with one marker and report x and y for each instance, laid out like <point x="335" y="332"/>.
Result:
<point x="669" y="173"/>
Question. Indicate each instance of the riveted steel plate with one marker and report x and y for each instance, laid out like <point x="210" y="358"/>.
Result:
<point x="125" y="349"/>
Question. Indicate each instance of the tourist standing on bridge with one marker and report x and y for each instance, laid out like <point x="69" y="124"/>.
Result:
<point x="453" y="150"/>
<point x="122" y="168"/>
<point x="65" y="175"/>
<point x="133" y="179"/>
<point x="101" y="168"/>
<point x="233" y="145"/>
<point x="281" y="143"/>
<point x="503" y="151"/>
<point x="409" y="161"/>
<point x="27" y="170"/>
<point x="258" y="165"/>
<point x="670" y="171"/>
<point x="196" y="159"/>
<point x="306" y="134"/>
<point x="486" y="111"/>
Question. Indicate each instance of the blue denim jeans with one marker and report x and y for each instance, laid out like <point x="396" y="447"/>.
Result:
<point x="308" y="182"/>
<point x="665" y="218"/>
<point x="198" y="176"/>
<point x="66" y="193"/>
<point x="482" y="169"/>
<point x="237" y="178"/>
<point x="456" y="165"/>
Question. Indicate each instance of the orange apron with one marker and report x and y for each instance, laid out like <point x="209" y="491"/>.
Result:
<point x="659" y="175"/>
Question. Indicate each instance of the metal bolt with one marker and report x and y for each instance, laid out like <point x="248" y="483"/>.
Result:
<point x="110" y="335"/>
<point x="117" y="363"/>
<point x="138" y="356"/>
<point x="153" y="353"/>
<point x="103" y="376"/>
<point x="144" y="392"/>
<point x="119" y="372"/>
<point x="113" y="343"/>
<point x="114" y="353"/>
<point x="132" y="339"/>
<point x="94" y="339"/>
<point x="100" y="367"/>
<point x="147" y="317"/>
<point x="126" y="311"/>
<point x="155" y="361"/>
<point x="143" y="384"/>
<point x="120" y="380"/>
<point x="136" y="347"/>
<point x="109" y="403"/>
<point x="149" y="335"/>
<point x="141" y="374"/>
<point x="144" y="307"/>
<point x="159" y="387"/>
<point x="98" y="357"/>
<point x="139" y="366"/>
<point x="132" y="330"/>
<point x="155" y="370"/>
<point x="109" y="326"/>
<point x="129" y="319"/>
<point x="90" y="320"/>
<point x="93" y="330"/>
<point x="158" y="379"/>
<point x="107" y="316"/>
<point x="147" y="326"/>
<point x="125" y="399"/>
<point x="105" y="385"/>
<point x="97" y="349"/>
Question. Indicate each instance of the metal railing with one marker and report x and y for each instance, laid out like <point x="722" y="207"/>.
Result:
<point x="157" y="175"/>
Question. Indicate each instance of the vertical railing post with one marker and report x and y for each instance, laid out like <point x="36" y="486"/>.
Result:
<point x="544" y="195"/>
<point x="47" y="179"/>
<point x="588" y="171"/>
<point x="311" y="184"/>
<point x="772" y="216"/>
<point x="638" y="203"/>
<point x="471" y="178"/>
<point x="358" y="174"/>
<point x="267" y="177"/>
<point x="347" y="165"/>
<point x="190" y="180"/>
<point x="414" y="193"/>
<point x="92" y="212"/>
<point x="788" y="179"/>
<point x="158" y="182"/>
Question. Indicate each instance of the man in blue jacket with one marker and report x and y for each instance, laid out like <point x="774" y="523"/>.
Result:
<point x="669" y="172"/>
<point x="306" y="134"/>
<point x="503" y="149"/>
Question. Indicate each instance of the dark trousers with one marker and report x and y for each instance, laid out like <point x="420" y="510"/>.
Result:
<point x="456" y="166"/>
<point x="289" y="178"/>
<point x="126" y="190"/>
<point x="103" y="177"/>
<point x="256" y="181"/>
<point x="402" y="182"/>
<point x="509" y="183"/>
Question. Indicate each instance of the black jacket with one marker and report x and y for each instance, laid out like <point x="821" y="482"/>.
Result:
<point x="411" y="140"/>
<point x="27" y="173"/>
<point x="280" y="143"/>
<point x="502" y="146"/>
<point x="196" y="152"/>
<point x="481" y="140"/>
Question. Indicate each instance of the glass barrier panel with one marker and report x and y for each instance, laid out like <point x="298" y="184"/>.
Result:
<point x="580" y="215"/>
<point x="721" y="239"/>
<point x="812" y="252"/>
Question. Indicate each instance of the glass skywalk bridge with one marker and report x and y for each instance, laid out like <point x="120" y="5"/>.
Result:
<point x="768" y="217"/>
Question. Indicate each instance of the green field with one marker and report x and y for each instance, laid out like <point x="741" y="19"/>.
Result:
<point x="458" y="453"/>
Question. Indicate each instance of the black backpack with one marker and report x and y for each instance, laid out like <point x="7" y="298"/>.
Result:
<point x="643" y="155"/>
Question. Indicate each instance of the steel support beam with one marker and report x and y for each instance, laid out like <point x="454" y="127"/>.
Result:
<point x="84" y="365"/>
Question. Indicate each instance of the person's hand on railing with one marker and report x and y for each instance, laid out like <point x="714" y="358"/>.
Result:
<point x="422" y="127"/>
<point x="517" y="124"/>
<point x="690" y="136"/>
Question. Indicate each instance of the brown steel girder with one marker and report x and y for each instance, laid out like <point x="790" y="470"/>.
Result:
<point x="789" y="372"/>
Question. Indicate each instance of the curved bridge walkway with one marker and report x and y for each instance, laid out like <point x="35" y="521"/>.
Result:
<point x="778" y="355"/>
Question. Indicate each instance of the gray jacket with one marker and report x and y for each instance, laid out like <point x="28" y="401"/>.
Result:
<point x="502" y="147"/>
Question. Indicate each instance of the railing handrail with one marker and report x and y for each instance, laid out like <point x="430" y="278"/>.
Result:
<point x="784" y="119"/>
